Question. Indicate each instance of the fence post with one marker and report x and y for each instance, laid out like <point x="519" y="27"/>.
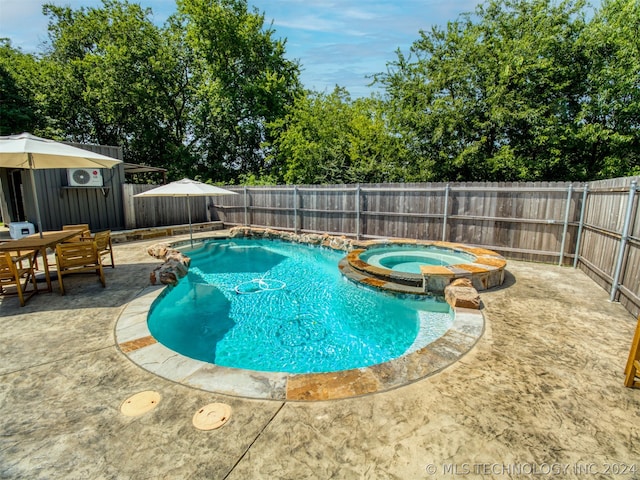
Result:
<point x="129" y="207"/>
<point x="566" y="223"/>
<point x="623" y="241"/>
<point x="581" y="224"/>
<point x="246" y="224"/>
<point x="358" y="211"/>
<point x="295" y="209"/>
<point x="447" y="188"/>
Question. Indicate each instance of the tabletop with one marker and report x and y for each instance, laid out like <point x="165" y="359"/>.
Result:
<point x="49" y="239"/>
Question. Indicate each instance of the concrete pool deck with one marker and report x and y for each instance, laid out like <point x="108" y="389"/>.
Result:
<point x="541" y="391"/>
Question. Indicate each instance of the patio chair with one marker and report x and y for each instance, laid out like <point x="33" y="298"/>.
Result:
<point x="78" y="257"/>
<point x="15" y="269"/>
<point x="632" y="371"/>
<point x="84" y="227"/>
<point x="105" y="247"/>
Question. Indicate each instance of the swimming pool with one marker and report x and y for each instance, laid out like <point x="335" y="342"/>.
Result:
<point x="276" y="306"/>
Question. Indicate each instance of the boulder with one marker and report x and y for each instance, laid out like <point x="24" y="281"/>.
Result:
<point x="463" y="297"/>
<point x="461" y="282"/>
<point x="326" y="240"/>
<point x="158" y="250"/>
<point x="337" y="243"/>
<point x="311" y="238"/>
<point x="178" y="256"/>
<point x="175" y="266"/>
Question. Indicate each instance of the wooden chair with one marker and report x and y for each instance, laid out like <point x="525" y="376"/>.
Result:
<point x="105" y="247"/>
<point x="83" y="227"/>
<point x="632" y="371"/>
<point x="14" y="269"/>
<point x="78" y="257"/>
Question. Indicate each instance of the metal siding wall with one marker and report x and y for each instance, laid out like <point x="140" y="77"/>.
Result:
<point x="60" y="204"/>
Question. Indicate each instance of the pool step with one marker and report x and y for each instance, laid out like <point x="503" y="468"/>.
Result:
<point x="358" y="276"/>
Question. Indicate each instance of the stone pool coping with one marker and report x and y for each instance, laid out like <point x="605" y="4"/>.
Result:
<point x="134" y="339"/>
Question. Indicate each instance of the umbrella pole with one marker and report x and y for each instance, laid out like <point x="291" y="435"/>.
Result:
<point x="189" y="210"/>
<point x="35" y="194"/>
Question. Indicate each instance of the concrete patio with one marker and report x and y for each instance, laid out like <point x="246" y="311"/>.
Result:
<point x="540" y="395"/>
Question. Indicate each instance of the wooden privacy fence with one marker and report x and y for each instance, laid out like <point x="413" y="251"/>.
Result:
<point x="591" y="226"/>
<point x="160" y="211"/>
<point x="610" y="239"/>
<point x="532" y="221"/>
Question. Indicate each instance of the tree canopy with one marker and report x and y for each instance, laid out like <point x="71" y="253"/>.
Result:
<point x="523" y="90"/>
<point x="516" y="90"/>
<point x="193" y="95"/>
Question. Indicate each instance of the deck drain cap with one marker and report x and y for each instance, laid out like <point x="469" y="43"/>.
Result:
<point x="211" y="416"/>
<point x="140" y="403"/>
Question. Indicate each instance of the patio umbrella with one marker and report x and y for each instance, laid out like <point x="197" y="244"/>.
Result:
<point x="31" y="152"/>
<point x="186" y="188"/>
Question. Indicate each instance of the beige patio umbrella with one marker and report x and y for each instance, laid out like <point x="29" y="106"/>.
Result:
<point x="186" y="188"/>
<point x="31" y="152"/>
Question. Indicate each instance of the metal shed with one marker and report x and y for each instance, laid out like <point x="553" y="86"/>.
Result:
<point x="63" y="196"/>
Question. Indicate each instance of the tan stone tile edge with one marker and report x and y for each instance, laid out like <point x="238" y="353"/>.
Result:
<point x="466" y="330"/>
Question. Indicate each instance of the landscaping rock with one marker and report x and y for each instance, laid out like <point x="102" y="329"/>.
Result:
<point x="175" y="266"/>
<point x="461" y="282"/>
<point x="336" y="243"/>
<point x="158" y="250"/>
<point x="463" y="297"/>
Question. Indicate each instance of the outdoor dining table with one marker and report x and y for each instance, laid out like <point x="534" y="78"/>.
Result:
<point x="39" y="245"/>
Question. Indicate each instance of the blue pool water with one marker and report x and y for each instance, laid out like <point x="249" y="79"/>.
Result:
<point x="410" y="258"/>
<point x="277" y="306"/>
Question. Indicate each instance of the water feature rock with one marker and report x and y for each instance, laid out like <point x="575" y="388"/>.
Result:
<point x="311" y="238"/>
<point x="178" y="257"/>
<point x="175" y="266"/>
<point x="164" y="275"/>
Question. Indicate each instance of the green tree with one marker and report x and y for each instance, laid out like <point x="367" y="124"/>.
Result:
<point x="328" y="138"/>
<point x="194" y="96"/>
<point x="19" y="110"/>
<point x="494" y="95"/>
<point x="109" y="70"/>
<point x="608" y="125"/>
<point x="244" y="83"/>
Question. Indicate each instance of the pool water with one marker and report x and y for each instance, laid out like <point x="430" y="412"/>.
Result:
<point x="410" y="259"/>
<point x="278" y="306"/>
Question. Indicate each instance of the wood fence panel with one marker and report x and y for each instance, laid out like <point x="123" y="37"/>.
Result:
<point x="489" y="214"/>
<point x="230" y="208"/>
<point x="601" y="242"/>
<point x="330" y="209"/>
<point x="392" y="210"/>
<point x="162" y="211"/>
<point x="630" y="280"/>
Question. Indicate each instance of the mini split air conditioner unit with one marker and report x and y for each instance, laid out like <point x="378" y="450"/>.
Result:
<point x="84" y="177"/>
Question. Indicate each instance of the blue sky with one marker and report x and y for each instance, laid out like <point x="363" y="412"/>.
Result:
<point x="337" y="41"/>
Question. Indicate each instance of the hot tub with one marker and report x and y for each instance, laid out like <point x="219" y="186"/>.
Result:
<point x="410" y="259"/>
<point x="421" y="267"/>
